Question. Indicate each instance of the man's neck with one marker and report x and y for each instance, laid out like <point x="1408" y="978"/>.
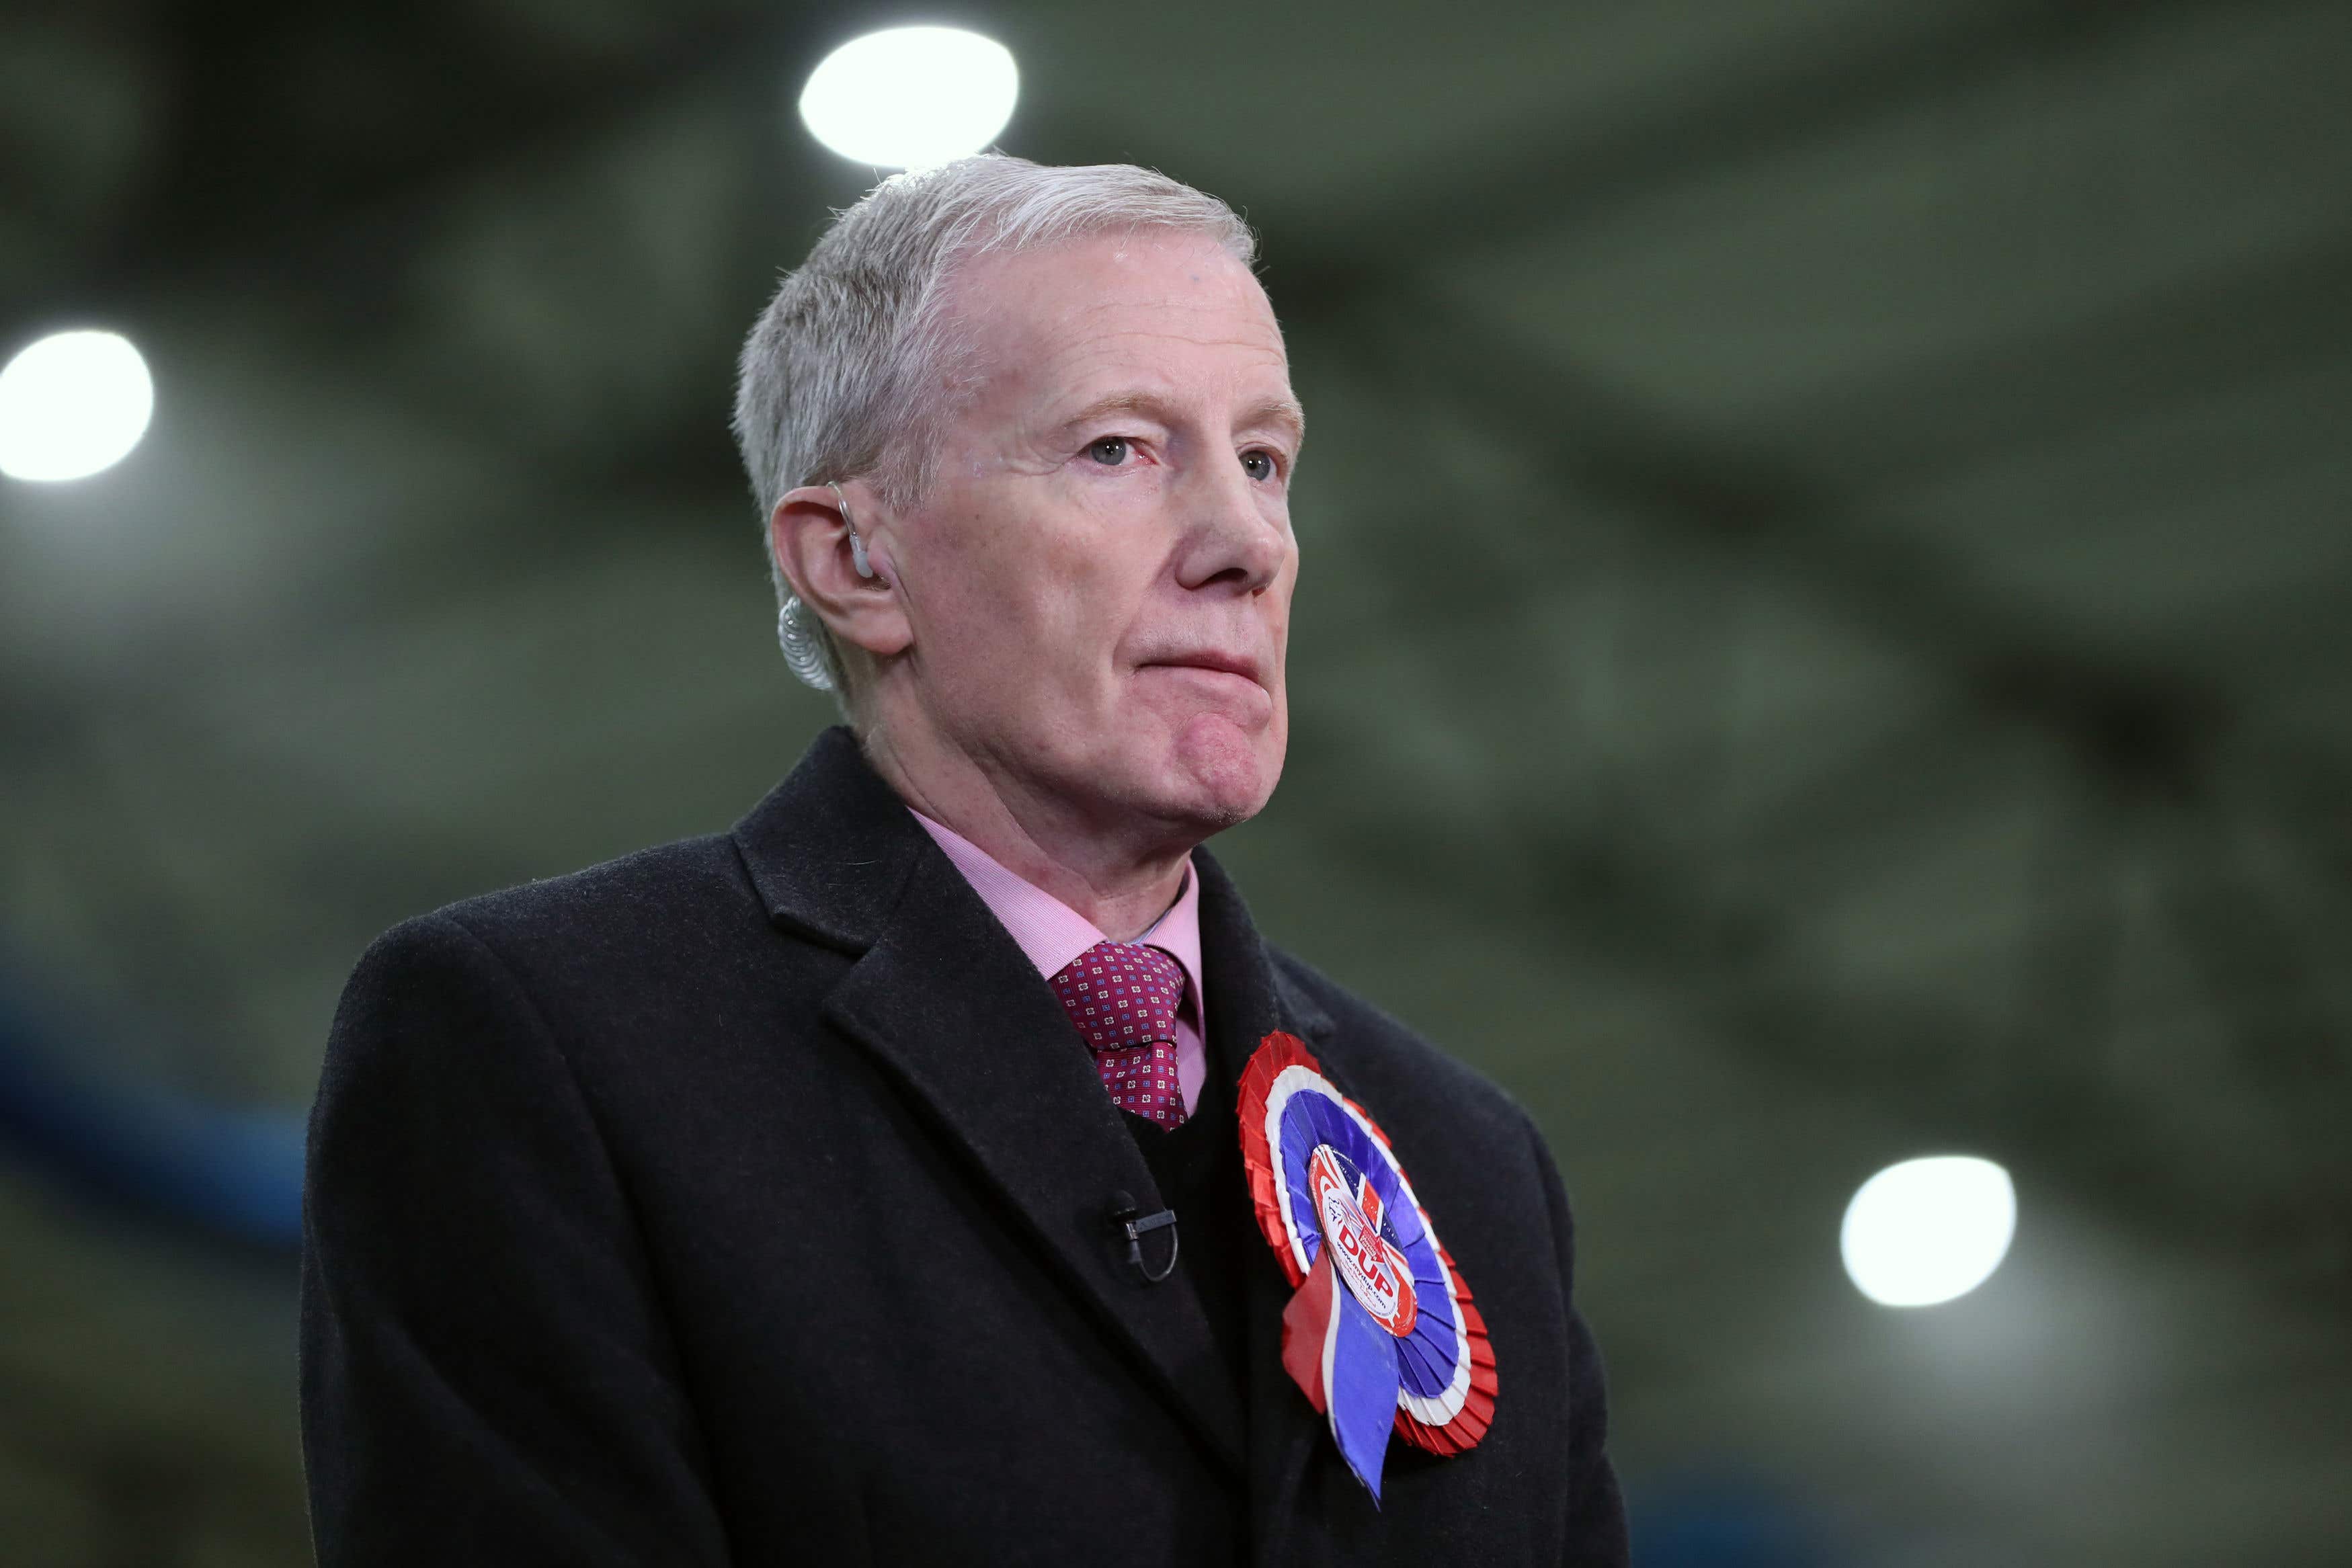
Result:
<point x="1121" y="881"/>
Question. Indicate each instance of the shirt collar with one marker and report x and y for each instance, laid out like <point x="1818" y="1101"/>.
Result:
<point x="1050" y="933"/>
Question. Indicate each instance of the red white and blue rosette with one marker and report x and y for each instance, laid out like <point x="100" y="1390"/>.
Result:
<point x="1380" y="1333"/>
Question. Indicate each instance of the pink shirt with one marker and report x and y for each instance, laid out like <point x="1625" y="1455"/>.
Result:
<point x="1052" y="934"/>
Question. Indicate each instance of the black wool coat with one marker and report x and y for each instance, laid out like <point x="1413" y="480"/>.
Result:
<point x="747" y="1201"/>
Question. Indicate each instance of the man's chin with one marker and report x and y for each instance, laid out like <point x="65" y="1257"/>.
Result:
<point x="1218" y="775"/>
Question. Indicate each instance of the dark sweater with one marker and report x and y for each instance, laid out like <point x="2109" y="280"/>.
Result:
<point x="1199" y="1176"/>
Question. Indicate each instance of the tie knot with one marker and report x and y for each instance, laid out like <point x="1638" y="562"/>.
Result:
<point x="1121" y="995"/>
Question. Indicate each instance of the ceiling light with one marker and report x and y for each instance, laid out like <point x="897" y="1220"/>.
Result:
<point x="912" y="96"/>
<point x="71" y="404"/>
<point x="1928" y="1230"/>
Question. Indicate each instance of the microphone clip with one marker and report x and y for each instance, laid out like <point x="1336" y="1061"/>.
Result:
<point x="1132" y="1224"/>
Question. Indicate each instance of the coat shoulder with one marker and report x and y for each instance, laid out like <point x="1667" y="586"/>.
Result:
<point x="614" y="966"/>
<point x="640" y="923"/>
<point x="656" y="897"/>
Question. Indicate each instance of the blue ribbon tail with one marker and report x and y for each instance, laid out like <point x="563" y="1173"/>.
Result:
<point x="1360" y="1378"/>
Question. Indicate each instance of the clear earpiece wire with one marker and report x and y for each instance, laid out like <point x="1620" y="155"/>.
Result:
<point x="804" y="655"/>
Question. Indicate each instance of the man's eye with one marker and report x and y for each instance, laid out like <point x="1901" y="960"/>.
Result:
<point x="1110" y="451"/>
<point x="1259" y="464"/>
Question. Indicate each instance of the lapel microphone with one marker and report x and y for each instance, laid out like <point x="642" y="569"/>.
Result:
<point x="1132" y="1223"/>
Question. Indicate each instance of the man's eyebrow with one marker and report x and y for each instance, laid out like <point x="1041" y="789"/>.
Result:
<point x="1285" y="413"/>
<point x="1118" y="402"/>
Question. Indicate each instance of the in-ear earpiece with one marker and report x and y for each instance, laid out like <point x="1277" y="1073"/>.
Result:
<point x="856" y="545"/>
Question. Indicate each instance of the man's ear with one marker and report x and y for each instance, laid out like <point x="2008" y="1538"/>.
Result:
<point x="808" y="534"/>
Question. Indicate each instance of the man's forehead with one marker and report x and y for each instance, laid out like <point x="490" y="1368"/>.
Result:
<point x="1107" y="323"/>
<point x="1184" y="285"/>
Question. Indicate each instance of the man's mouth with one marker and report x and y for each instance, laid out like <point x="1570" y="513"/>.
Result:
<point x="1213" y="660"/>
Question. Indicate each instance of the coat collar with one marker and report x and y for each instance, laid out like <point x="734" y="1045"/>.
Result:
<point x="941" y="996"/>
<point x="956" y="1014"/>
<point x="831" y="847"/>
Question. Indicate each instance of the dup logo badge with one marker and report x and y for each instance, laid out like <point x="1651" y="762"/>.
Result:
<point x="1381" y="1332"/>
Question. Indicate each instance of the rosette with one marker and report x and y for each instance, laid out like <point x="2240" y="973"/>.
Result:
<point x="1380" y="1333"/>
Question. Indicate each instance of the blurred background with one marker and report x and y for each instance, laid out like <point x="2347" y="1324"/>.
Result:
<point x="1825" y="638"/>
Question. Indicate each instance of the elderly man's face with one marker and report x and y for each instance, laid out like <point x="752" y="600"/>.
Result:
<point x="1099" y="580"/>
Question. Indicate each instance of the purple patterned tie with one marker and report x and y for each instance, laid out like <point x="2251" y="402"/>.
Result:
<point x="1123" y="996"/>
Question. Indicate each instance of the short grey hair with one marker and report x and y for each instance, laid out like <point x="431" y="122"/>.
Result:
<point x="854" y="369"/>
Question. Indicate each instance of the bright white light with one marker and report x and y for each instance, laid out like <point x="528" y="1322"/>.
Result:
<point x="912" y="96"/>
<point x="71" y="404"/>
<point x="1928" y="1230"/>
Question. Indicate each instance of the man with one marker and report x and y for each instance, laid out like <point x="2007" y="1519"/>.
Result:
<point x="868" y="1185"/>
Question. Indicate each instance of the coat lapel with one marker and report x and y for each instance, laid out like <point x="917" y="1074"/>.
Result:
<point x="1249" y="999"/>
<point x="945" y="999"/>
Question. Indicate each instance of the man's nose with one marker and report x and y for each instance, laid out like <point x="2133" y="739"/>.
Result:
<point x="1235" y="537"/>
